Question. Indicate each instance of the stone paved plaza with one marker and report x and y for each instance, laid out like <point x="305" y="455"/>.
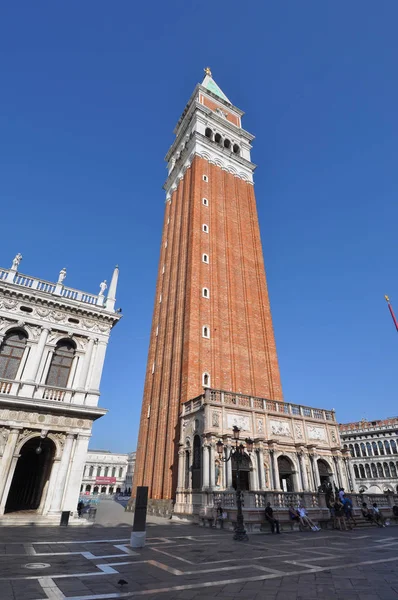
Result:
<point x="186" y="561"/>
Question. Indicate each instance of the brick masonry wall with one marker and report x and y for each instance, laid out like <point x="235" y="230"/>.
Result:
<point x="240" y="355"/>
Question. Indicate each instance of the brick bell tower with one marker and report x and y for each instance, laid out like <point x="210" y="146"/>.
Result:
<point x="212" y="324"/>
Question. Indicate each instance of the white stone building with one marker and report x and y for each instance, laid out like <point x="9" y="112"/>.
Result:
<point x="295" y="450"/>
<point x="53" y="341"/>
<point x="373" y="446"/>
<point x="106" y="472"/>
<point x="130" y="471"/>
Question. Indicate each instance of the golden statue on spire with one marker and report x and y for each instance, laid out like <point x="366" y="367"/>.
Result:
<point x="208" y="71"/>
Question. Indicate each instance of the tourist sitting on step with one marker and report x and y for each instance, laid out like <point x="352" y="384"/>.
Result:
<point x="294" y="516"/>
<point x="368" y="515"/>
<point x="269" y="515"/>
<point x="305" y="520"/>
<point x="378" y="517"/>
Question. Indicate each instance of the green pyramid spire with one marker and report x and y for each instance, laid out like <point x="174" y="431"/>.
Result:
<point x="211" y="85"/>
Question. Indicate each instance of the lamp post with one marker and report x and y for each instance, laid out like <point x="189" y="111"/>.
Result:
<point x="238" y="453"/>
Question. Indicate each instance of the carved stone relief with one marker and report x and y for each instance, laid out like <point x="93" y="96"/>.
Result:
<point x="280" y="428"/>
<point x="298" y="431"/>
<point x="240" y="421"/>
<point x="215" y="419"/>
<point x="333" y="435"/>
<point x="260" y="426"/>
<point x="4" y="433"/>
<point x="316" y="433"/>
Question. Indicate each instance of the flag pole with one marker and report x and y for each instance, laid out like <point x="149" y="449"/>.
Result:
<point x="391" y="312"/>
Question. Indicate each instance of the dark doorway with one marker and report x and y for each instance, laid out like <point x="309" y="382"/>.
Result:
<point x="244" y="473"/>
<point x="31" y="475"/>
<point x="325" y="472"/>
<point x="286" y="472"/>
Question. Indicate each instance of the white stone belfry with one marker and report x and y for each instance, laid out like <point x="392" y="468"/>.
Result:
<point x="53" y="341"/>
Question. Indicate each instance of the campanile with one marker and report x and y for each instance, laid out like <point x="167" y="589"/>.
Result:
<point x="212" y="324"/>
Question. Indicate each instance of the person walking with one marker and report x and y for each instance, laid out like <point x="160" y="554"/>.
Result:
<point x="348" y="508"/>
<point x="269" y="515"/>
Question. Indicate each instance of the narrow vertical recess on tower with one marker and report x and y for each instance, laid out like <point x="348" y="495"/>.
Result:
<point x="210" y="158"/>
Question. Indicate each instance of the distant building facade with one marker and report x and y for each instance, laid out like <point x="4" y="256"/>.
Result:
<point x="53" y="341"/>
<point x="373" y="446"/>
<point x="106" y="472"/>
<point x="130" y="471"/>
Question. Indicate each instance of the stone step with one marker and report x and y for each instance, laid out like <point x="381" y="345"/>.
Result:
<point x="15" y="520"/>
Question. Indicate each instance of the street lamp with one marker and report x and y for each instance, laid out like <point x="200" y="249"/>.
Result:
<point x="238" y="452"/>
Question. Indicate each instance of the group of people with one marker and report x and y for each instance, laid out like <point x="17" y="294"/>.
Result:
<point x="298" y="514"/>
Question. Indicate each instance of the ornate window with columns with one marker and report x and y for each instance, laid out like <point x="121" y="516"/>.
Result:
<point x="61" y="363"/>
<point x="11" y="352"/>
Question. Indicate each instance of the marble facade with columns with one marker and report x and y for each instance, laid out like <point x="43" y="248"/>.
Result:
<point x="38" y="319"/>
<point x="295" y="448"/>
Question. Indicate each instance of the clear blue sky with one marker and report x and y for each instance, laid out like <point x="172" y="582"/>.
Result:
<point x="90" y="94"/>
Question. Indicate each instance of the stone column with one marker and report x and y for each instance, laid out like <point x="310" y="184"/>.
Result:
<point x="315" y="470"/>
<point x="34" y="360"/>
<point x="58" y="494"/>
<point x="261" y="470"/>
<point x="337" y="467"/>
<point x="352" y="475"/>
<point x="205" y="467"/>
<point x="212" y="467"/>
<point x="86" y="365"/>
<point x="300" y="473"/>
<point x="277" y="482"/>
<point x="97" y="367"/>
<point x="304" y="471"/>
<point x="72" y="485"/>
<point x="181" y="469"/>
<point x="229" y="482"/>
<point x="5" y="467"/>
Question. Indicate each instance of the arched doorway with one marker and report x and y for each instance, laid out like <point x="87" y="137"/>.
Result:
<point x="31" y="475"/>
<point x="286" y="473"/>
<point x="324" y="470"/>
<point x="245" y="466"/>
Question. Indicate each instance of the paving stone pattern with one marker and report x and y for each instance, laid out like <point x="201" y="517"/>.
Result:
<point x="185" y="561"/>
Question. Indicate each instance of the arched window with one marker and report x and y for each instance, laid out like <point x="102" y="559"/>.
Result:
<point x="11" y="351"/>
<point x="363" y="449"/>
<point x="106" y="471"/>
<point x="374" y="470"/>
<point x="362" y="471"/>
<point x="103" y="490"/>
<point x="351" y="450"/>
<point x="386" y="470"/>
<point x="91" y="472"/>
<point x="205" y="201"/>
<point x="120" y="472"/>
<point x="205" y="228"/>
<point x="111" y="490"/>
<point x="206" y="380"/>
<point x="227" y="144"/>
<point x="393" y="470"/>
<point x="217" y="138"/>
<point x="118" y="490"/>
<point x="208" y="133"/>
<point x="206" y="331"/>
<point x="380" y="470"/>
<point x="98" y="471"/>
<point x="95" y="490"/>
<point x="205" y="258"/>
<point x="356" y="472"/>
<point x="205" y="293"/>
<point x="367" y="471"/>
<point x="357" y="451"/>
<point x="114" y="472"/>
<point x="88" y="488"/>
<point x="381" y="447"/>
<point x="236" y="149"/>
<point x="393" y="446"/>
<point x="61" y="364"/>
<point x="387" y="447"/>
<point x="375" y="449"/>
<point x="369" y="449"/>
